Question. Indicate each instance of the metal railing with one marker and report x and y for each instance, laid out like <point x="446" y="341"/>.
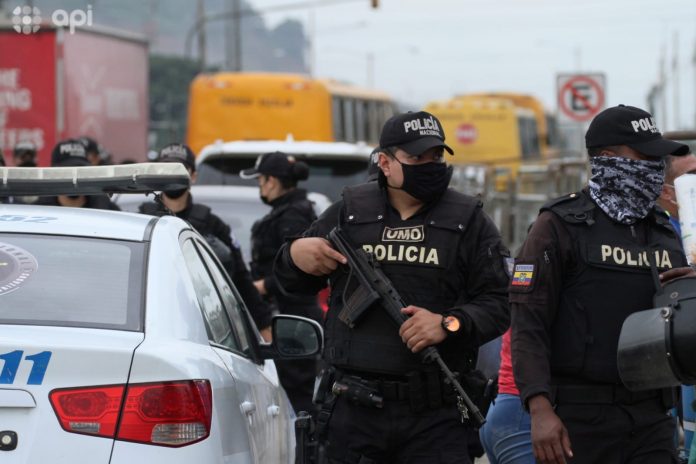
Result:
<point x="513" y="200"/>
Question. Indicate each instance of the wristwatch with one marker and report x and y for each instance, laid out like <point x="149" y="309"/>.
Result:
<point x="451" y="324"/>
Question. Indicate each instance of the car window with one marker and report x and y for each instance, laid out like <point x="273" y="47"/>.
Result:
<point x="71" y="281"/>
<point x="233" y="302"/>
<point x="217" y="323"/>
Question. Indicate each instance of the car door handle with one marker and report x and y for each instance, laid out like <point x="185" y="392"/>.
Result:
<point x="273" y="410"/>
<point x="248" y="408"/>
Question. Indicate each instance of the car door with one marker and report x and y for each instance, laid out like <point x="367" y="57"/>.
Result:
<point x="233" y="350"/>
<point x="270" y="412"/>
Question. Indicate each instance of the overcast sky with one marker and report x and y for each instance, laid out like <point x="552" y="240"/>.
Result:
<point x="431" y="49"/>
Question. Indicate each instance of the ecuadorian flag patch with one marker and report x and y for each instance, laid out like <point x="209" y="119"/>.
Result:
<point x="522" y="275"/>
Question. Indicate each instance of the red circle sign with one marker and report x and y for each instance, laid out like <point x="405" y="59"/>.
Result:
<point x="466" y="134"/>
<point x="586" y="104"/>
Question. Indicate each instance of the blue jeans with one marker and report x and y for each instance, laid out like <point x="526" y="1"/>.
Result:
<point x="507" y="436"/>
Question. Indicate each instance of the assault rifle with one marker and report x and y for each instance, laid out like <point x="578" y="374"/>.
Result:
<point x="374" y="286"/>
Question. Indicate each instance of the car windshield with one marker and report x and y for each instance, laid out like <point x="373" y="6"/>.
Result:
<point x="326" y="176"/>
<point x="71" y="281"/>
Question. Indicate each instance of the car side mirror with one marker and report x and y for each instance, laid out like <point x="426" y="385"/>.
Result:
<point x="294" y="337"/>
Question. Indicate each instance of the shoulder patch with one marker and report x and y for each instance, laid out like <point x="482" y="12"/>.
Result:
<point x="523" y="275"/>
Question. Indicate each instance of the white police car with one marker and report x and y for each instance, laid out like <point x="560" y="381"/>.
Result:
<point x="122" y="339"/>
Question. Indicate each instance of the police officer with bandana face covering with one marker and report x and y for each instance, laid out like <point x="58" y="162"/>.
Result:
<point x="445" y="258"/>
<point x="591" y="259"/>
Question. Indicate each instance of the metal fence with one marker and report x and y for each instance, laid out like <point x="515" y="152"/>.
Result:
<point x="513" y="200"/>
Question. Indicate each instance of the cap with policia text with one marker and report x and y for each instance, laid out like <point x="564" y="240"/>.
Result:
<point x="633" y="127"/>
<point x="178" y="153"/>
<point x="70" y="152"/>
<point x="415" y="133"/>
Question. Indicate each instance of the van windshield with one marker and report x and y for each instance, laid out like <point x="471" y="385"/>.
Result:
<point x="326" y="176"/>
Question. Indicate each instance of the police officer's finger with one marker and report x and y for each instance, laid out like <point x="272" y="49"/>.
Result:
<point x="334" y="255"/>
<point x="675" y="273"/>
<point x="540" y="454"/>
<point x="558" y="456"/>
<point x="565" y="442"/>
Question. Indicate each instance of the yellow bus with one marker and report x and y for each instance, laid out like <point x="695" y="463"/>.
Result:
<point x="488" y="130"/>
<point x="549" y="145"/>
<point x="269" y="106"/>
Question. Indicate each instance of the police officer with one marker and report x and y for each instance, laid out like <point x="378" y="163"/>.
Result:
<point x="291" y="214"/>
<point x="24" y="155"/>
<point x="445" y="258"/>
<point x="72" y="153"/>
<point x="591" y="259"/>
<point x="213" y="229"/>
<point x="96" y="154"/>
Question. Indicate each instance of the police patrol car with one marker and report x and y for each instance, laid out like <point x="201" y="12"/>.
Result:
<point x="122" y="339"/>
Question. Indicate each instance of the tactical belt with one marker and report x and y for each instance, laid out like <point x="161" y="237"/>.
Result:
<point x="422" y="389"/>
<point x="606" y="394"/>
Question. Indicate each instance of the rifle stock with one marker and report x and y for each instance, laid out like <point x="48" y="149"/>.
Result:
<point x="375" y="286"/>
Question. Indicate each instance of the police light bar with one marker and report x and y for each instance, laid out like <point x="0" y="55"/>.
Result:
<point x="93" y="180"/>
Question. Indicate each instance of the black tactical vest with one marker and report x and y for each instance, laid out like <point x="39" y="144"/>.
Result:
<point x="613" y="279"/>
<point x="420" y="259"/>
<point x="266" y="240"/>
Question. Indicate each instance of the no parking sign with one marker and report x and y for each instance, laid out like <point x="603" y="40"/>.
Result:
<point x="580" y="96"/>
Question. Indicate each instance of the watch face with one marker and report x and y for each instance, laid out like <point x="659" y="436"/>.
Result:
<point x="451" y="323"/>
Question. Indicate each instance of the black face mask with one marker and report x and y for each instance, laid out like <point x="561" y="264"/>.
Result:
<point x="426" y="182"/>
<point x="264" y="199"/>
<point x="174" y="194"/>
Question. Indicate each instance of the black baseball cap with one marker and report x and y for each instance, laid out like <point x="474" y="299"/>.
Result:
<point x="24" y="147"/>
<point x="633" y="127"/>
<point x="414" y="133"/>
<point x="276" y="164"/>
<point x="177" y="153"/>
<point x="69" y="152"/>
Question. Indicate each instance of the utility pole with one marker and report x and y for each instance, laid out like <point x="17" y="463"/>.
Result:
<point x="200" y="14"/>
<point x="675" y="82"/>
<point x="663" y="88"/>
<point x="233" y="37"/>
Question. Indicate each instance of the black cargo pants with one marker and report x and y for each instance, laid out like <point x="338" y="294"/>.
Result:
<point x="395" y="435"/>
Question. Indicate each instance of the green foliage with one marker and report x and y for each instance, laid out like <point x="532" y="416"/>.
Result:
<point x="170" y="78"/>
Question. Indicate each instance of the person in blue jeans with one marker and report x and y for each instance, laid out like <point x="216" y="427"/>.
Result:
<point x="506" y="436"/>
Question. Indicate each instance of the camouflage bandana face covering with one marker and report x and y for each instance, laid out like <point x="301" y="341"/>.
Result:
<point x="626" y="189"/>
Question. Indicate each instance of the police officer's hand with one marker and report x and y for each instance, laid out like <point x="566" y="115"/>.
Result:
<point x="422" y="328"/>
<point x="260" y="286"/>
<point x="550" y="439"/>
<point x="315" y="256"/>
<point x="675" y="273"/>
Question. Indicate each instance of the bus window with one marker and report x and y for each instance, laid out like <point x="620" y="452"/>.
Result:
<point x="360" y="118"/>
<point x="337" y="116"/>
<point x="373" y="125"/>
<point x="349" y="120"/>
<point x="529" y="137"/>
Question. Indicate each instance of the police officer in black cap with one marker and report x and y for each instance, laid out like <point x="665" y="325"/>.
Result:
<point x="24" y="155"/>
<point x="72" y="153"/>
<point x="591" y="259"/>
<point x="213" y="229"/>
<point x="445" y="257"/>
<point x="291" y="214"/>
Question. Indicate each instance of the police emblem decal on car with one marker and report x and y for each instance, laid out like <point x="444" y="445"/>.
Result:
<point x="16" y="266"/>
